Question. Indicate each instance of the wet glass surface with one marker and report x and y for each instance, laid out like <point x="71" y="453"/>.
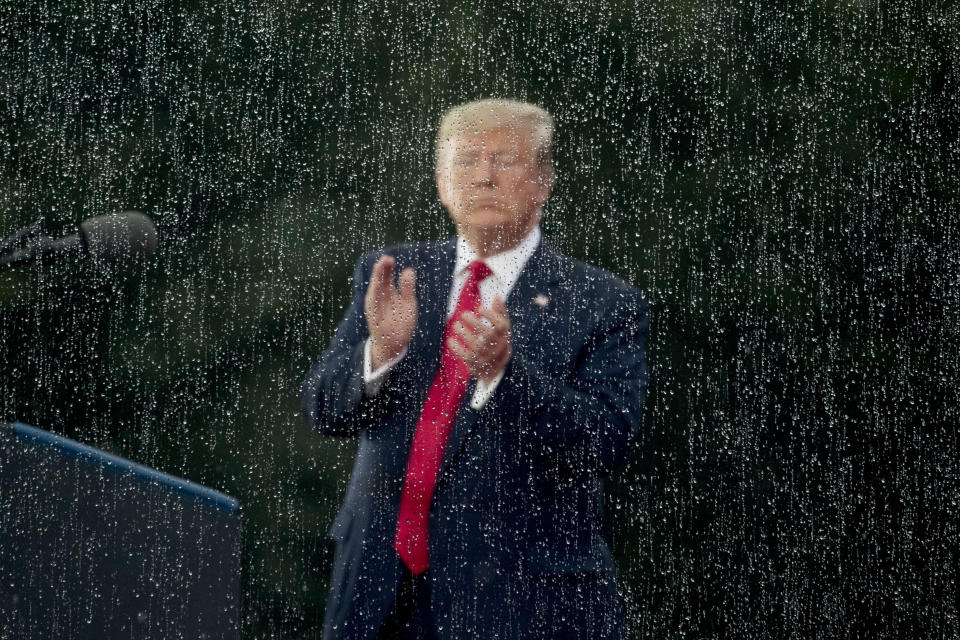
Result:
<point x="781" y="180"/>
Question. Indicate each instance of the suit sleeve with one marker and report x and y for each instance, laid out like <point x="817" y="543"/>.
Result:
<point x="587" y="420"/>
<point x="332" y="394"/>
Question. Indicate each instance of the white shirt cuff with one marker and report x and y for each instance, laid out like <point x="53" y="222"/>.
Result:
<point x="373" y="380"/>
<point x="484" y="392"/>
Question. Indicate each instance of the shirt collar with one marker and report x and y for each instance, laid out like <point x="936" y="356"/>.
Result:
<point x="506" y="265"/>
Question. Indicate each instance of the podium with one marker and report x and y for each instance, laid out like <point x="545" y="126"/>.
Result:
<point x="95" y="546"/>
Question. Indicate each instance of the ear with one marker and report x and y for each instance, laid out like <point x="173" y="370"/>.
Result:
<point x="441" y="174"/>
<point x="545" y="183"/>
<point x="442" y="179"/>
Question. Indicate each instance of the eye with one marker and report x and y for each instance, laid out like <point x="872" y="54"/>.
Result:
<point x="467" y="161"/>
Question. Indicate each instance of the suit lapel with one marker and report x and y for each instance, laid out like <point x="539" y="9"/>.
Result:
<point x="434" y="276"/>
<point x="537" y="280"/>
<point x="531" y="295"/>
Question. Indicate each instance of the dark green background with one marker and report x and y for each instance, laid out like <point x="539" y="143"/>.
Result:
<point x="780" y="178"/>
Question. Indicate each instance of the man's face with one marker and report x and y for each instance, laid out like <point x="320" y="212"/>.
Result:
<point x="490" y="182"/>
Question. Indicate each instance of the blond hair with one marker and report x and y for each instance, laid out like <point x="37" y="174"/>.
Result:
<point x="497" y="112"/>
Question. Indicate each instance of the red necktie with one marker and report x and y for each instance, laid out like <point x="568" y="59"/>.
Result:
<point x="433" y="427"/>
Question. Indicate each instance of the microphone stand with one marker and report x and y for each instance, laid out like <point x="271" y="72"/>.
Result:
<point x="29" y="245"/>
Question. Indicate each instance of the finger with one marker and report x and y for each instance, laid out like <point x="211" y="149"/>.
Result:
<point x="408" y="281"/>
<point x="459" y="350"/>
<point x="373" y="289"/>
<point x="499" y="321"/>
<point x="482" y="348"/>
<point x="497" y="310"/>
<point x="481" y="336"/>
<point x="386" y="263"/>
<point x="472" y="321"/>
<point x="378" y="277"/>
<point x="465" y="336"/>
<point x="491" y="315"/>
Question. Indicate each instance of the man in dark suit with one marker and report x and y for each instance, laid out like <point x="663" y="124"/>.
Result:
<point x="494" y="384"/>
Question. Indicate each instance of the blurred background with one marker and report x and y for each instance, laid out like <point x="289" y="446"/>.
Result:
<point x="781" y="179"/>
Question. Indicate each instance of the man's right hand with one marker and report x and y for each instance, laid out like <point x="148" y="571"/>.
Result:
<point x="391" y="311"/>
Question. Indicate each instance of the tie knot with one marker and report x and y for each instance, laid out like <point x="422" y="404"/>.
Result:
<point x="478" y="271"/>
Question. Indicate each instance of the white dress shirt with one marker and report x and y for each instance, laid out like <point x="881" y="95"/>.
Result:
<point x="505" y="268"/>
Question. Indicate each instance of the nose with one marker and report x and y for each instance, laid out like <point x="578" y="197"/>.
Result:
<point x="486" y="170"/>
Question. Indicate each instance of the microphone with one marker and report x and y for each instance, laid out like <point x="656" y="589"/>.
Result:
<point x="113" y="239"/>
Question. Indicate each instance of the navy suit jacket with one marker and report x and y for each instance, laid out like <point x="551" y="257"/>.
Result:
<point x="517" y="545"/>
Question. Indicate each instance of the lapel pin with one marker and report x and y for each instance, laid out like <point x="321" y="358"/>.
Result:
<point x="541" y="300"/>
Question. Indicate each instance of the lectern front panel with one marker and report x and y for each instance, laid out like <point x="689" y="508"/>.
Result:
<point x="95" y="546"/>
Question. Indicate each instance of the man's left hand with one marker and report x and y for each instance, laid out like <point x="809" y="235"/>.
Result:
<point x="482" y="340"/>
